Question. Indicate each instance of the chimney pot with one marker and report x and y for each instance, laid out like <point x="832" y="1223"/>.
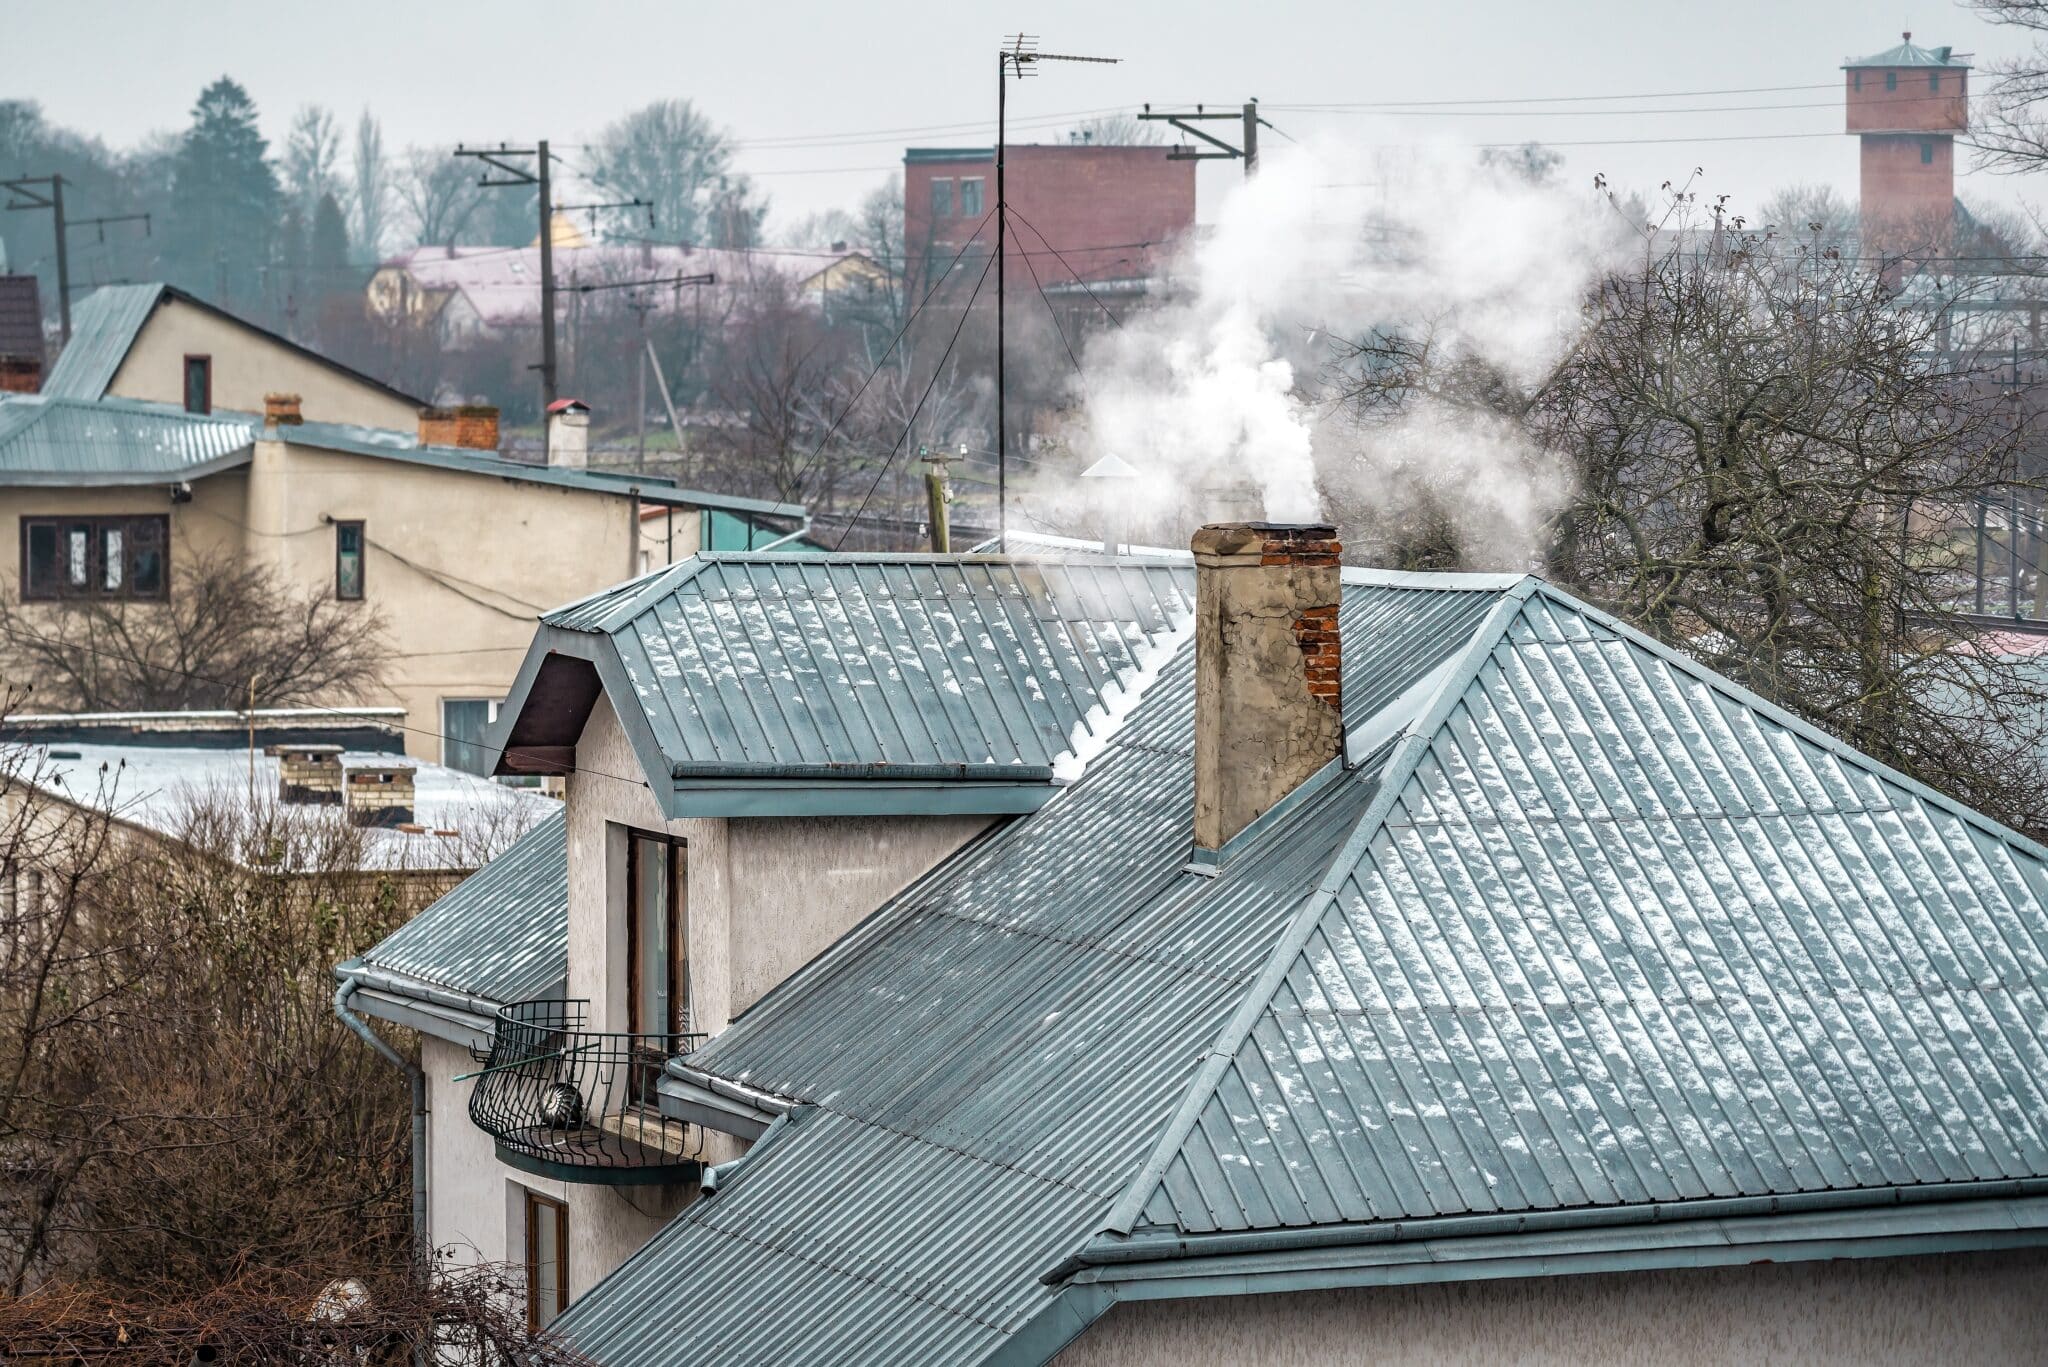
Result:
<point x="1268" y="668"/>
<point x="569" y="433"/>
<point x="281" y="410"/>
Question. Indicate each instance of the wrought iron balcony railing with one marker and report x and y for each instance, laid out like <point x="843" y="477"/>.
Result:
<point x="580" y="1105"/>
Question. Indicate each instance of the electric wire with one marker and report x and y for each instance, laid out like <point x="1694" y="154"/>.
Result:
<point x="1056" y="327"/>
<point x="937" y="371"/>
<point x="1070" y="269"/>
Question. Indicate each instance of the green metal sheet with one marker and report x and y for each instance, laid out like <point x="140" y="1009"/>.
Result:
<point x="57" y="441"/>
<point x="103" y="328"/>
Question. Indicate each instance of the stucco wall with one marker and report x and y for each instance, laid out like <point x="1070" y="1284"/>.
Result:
<point x="457" y="564"/>
<point x="246" y="366"/>
<point x="474" y="1202"/>
<point x="1987" y="1308"/>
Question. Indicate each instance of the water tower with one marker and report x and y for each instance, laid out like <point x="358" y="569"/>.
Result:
<point x="1907" y="104"/>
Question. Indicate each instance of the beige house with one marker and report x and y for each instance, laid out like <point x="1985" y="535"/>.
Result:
<point x="975" y="959"/>
<point x="154" y="449"/>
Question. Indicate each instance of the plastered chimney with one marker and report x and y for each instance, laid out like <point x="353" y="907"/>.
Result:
<point x="569" y="433"/>
<point x="1268" y="679"/>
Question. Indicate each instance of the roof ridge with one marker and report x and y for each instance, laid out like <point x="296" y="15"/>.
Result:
<point x="1806" y="730"/>
<point x="636" y="591"/>
<point x="1406" y="757"/>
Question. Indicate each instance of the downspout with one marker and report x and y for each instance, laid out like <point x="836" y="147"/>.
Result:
<point x="785" y="540"/>
<point x="417" y="1076"/>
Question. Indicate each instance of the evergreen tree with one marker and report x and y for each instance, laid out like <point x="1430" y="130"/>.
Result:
<point x="224" y="202"/>
<point x="327" y="247"/>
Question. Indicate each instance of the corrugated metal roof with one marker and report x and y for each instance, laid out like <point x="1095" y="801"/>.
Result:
<point x="21" y="319"/>
<point x="1005" y="1040"/>
<point x="392" y="444"/>
<point x="1594" y="927"/>
<point x="502" y="934"/>
<point x="46" y="440"/>
<point x="1622" y="937"/>
<point x="103" y="328"/>
<point x="1909" y="53"/>
<point x="744" y="663"/>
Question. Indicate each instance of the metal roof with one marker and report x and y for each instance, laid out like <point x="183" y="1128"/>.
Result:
<point x="392" y="444"/>
<point x="502" y="934"/>
<point x="1909" y="53"/>
<point x="21" y="319"/>
<point x="58" y="441"/>
<point x="1592" y="930"/>
<point x="103" y="328"/>
<point x="863" y="669"/>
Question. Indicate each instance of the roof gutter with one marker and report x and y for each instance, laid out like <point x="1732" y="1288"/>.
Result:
<point x="1156" y="1246"/>
<point x="422" y="1237"/>
<point x="418" y="1005"/>
<point x="718" y="1103"/>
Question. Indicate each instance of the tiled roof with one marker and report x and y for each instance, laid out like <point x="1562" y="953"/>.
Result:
<point x="1589" y="931"/>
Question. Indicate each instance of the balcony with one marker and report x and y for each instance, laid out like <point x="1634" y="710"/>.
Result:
<point x="580" y="1105"/>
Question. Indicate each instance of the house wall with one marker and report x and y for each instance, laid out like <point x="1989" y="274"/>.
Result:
<point x="457" y="564"/>
<point x="247" y="365"/>
<point x="1959" y="1308"/>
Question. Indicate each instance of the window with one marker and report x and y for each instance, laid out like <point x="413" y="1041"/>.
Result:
<point x="94" y="557"/>
<point x="199" y="384"/>
<point x="1934" y="80"/>
<point x="547" y="1260"/>
<point x="464" y="724"/>
<point x="942" y="199"/>
<point x="1927" y="154"/>
<point x="970" y="197"/>
<point x="348" y="561"/>
<point x="1891" y="80"/>
<point x="1857" y="80"/>
<point x="657" y="992"/>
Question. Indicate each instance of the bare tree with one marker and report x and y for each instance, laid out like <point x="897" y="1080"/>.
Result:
<point x="370" y="197"/>
<point x="2008" y="130"/>
<point x="671" y="155"/>
<point x="1772" y="464"/>
<point x="228" y="626"/>
<point x="439" y="195"/>
<point x="312" y="159"/>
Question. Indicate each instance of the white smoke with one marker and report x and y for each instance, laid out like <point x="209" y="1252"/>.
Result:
<point x="1222" y="387"/>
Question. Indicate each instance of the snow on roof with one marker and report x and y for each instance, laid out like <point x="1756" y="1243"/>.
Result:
<point x="168" y="788"/>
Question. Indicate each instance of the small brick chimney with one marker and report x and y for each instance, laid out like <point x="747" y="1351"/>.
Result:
<point x="472" y="426"/>
<point x="569" y="433"/>
<point x="380" y="796"/>
<point x="1268" y="677"/>
<point x="281" y="410"/>
<point x="308" y="773"/>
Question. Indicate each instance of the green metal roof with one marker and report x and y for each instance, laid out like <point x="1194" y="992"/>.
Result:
<point x="57" y="441"/>
<point x="500" y="936"/>
<point x="103" y="328"/>
<point x="964" y="681"/>
<point x="1591" y="940"/>
<point x="1908" y="53"/>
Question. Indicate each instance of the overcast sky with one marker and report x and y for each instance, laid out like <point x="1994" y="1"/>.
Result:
<point x="821" y="95"/>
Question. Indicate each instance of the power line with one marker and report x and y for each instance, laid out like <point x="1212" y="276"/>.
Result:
<point x="1567" y="99"/>
<point x="931" y="384"/>
<point x="1056" y="327"/>
<point x="1070" y="269"/>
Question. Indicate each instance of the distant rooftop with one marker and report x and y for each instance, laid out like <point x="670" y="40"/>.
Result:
<point x="1909" y="53"/>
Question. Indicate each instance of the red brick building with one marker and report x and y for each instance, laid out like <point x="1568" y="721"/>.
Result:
<point x="1907" y="104"/>
<point x="1112" y="213"/>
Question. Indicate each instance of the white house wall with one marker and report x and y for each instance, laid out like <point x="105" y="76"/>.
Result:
<point x="1958" y="1308"/>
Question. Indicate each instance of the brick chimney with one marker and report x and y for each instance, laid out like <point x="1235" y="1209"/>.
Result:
<point x="308" y="773"/>
<point x="380" y="796"/>
<point x="281" y="410"/>
<point x="472" y="426"/>
<point x="1268" y="689"/>
<point x="569" y="433"/>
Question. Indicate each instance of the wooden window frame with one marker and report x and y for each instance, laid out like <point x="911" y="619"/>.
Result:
<point x="95" y="562"/>
<point x="185" y="381"/>
<point x="362" y="561"/>
<point x="678" y="955"/>
<point x="538" y="1206"/>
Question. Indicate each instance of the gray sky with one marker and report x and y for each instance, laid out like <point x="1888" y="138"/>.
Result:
<point x="842" y="77"/>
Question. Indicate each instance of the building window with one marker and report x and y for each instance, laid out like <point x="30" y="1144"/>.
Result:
<point x="465" y="722"/>
<point x="94" y="557"/>
<point x="942" y="199"/>
<point x="657" y="957"/>
<point x="1891" y="80"/>
<point x="199" y="384"/>
<point x="547" y="1260"/>
<point x="1856" y="80"/>
<point x="348" y="561"/>
<point x="1934" y="80"/>
<point x="970" y="197"/>
<point x="1927" y="154"/>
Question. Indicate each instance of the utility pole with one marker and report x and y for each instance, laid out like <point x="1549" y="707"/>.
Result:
<point x="1018" y="55"/>
<point x="1185" y="121"/>
<point x="497" y="159"/>
<point x="54" y="202"/>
